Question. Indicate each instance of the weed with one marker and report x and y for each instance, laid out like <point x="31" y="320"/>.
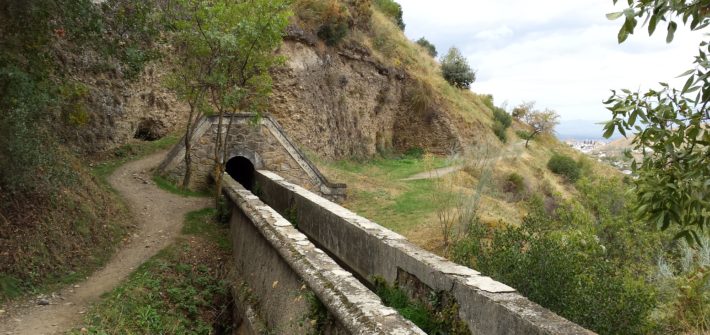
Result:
<point x="167" y="185"/>
<point x="182" y="290"/>
<point x="423" y="314"/>
<point x="129" y="152"/>
<point x="205" y="223"/>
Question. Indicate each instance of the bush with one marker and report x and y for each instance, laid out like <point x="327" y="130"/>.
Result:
<point x="500" y="130"/>
<point x="428" y="46"/>
<point x="514" y="183"/>
<point x="332" y="34"/>
<point x="414" y="153"/>
<point x="456" y="71"/>
<point x="420" y="97"/>
<point x="565" y="272"/>
<point x="330" y="19"/>
<point x="500" y="115"/>
<point x="564" y="166"/>
<point x="393" y="10"/>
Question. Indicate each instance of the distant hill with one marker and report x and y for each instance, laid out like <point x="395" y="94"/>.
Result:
<point x="581" y="130"/>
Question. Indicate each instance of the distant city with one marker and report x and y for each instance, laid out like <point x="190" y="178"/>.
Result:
<point x="581" y="130"/>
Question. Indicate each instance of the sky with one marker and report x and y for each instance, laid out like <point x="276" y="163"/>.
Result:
<point x="563" y="54"/>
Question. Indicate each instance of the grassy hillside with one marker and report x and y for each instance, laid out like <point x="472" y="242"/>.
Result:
<point x="566" y="239"/>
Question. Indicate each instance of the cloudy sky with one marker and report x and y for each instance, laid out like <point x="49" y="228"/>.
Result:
<point x="561" y="53"/>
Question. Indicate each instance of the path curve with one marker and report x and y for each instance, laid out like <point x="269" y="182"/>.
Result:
<point x="159" y="216"/>
<point x="513" y="150"/>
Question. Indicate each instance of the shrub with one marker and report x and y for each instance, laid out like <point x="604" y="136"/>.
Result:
<point x="565" y="272"/>
<point x="420" y="97"/>
<point x="332" y="34"/>
<point x="428" y="46"/>
<point x="330" y="19"/>
<point x="456" y="71"/>
<point x="414" y="153"/>
<point x="361" y="12"/>
<point x="393" y="10"/>
<point x="514" y="183"/>
<point x="564" y="166"/>
<point x="500" y="115"/>
<point x="500" y="130"/>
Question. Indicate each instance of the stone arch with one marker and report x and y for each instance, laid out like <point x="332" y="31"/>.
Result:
<point x="242" y="170"/>
<point x="252" y="156"/>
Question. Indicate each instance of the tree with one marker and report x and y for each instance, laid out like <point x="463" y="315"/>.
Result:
<point x="670" y="126"/>
<point x="229" y="48"/>
<point x="393" y="10"/>
<point x="428" y="46"/>
<point x="521" y="110"/>
<point x="540" y="122"/>
<point x="456" y="70"/>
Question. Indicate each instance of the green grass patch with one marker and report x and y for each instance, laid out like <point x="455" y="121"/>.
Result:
<point x="167" y="185"/>
<point x="181" y="290"/>
<point x="376" y="189"/>
<point x="131" y="151"/>
<point x="10" y="287"/>
<point x="425" y="316"/>
<point x="204" y="223"/>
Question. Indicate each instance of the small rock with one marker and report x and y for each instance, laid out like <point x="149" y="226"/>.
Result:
<point x="76" y="286"/>
<point x="2" y="311"/>
<point x="84" y="330"/>
<point x="43" y="302"/>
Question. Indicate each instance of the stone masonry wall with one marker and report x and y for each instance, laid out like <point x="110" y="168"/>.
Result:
<point x="262" y="141"/>
<point x="369" y="250"/>
<point x="277" y="266"/>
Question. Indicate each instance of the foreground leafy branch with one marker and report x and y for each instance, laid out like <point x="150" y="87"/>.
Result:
<point x="670" y="126"/>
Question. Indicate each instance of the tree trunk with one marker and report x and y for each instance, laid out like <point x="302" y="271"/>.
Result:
<point x="218" y="162"/>
<point x="188" y="148"/>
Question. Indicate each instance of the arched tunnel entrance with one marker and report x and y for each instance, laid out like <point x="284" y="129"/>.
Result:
<point x="242" y="170"/>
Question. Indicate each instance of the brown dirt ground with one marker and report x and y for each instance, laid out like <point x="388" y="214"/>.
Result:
<point x="159" y="216"/>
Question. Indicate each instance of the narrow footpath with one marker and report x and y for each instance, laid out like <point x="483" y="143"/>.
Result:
<point x="159" y="217"/>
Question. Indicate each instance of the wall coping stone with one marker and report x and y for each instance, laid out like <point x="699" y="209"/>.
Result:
<point x="471" y="289"/>
<point x="357" y="308"/>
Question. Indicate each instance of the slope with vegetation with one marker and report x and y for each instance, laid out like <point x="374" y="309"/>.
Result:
<point x="372" y="108"/>
<point x="523" y="207"/>
<point x="58" y="220"/>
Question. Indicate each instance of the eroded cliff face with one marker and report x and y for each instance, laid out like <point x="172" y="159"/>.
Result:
<point x="341" y="103"/>
<point x="335" y="102"/>
<point x="119" y="109"/>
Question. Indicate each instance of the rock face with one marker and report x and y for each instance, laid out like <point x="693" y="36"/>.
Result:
<point x="119" y="109"/>
<point x="342" y="103"/>
<point x="335" y="102"/>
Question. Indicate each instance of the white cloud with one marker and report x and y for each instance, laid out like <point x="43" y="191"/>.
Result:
<point x="561" y="53"/>
<point x="501" y="32"/>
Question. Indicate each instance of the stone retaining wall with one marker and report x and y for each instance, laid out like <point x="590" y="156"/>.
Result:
<point x="369" y="251"/>
<point x="259" y="139"/>
<point x="278" y="267"/>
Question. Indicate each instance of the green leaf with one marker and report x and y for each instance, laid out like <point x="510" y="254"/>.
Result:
<point x="608" y="130"/>
<point x="614" y="16"/>
<point x="689" y="82"/>
<point x="652" y="24"/>
<point x="672" y="26"/>
<point x="623" y="34"/>
<point x="686" y="73"/>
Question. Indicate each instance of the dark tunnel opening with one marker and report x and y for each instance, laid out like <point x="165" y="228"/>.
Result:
<point x="242" y="170"/>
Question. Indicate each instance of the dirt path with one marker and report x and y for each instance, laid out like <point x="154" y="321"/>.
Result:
<point x="436" y="173"/>
<point x="159" y="216"/>
<point x="513" y="150"/>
